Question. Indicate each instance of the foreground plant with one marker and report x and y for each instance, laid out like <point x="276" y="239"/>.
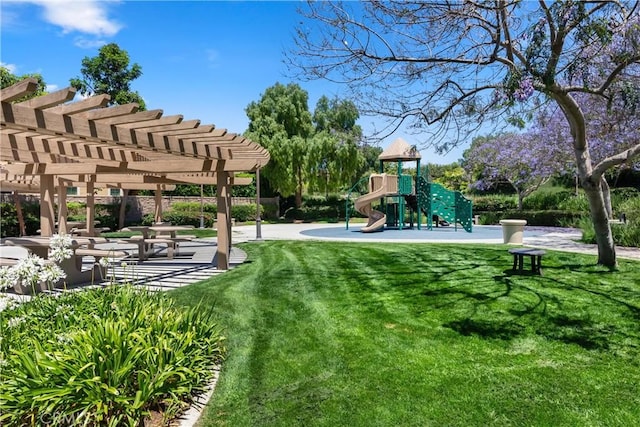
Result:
<point x="103" y="357"/>
<point x="30" y="271"/>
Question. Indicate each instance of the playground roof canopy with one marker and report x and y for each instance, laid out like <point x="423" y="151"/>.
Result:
<point x="400" y="150"/>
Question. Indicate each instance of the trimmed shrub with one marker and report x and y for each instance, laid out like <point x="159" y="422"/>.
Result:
<point x="243" y="213"/>
<point x="540" y="218"/>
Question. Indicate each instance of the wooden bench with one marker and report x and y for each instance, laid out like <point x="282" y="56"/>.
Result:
<point x="535" y="255"/>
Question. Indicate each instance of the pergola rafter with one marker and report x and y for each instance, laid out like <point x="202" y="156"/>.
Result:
<point x="88" y="142"/>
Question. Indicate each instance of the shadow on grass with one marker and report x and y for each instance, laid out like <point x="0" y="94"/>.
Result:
<point x="515" y="304"/>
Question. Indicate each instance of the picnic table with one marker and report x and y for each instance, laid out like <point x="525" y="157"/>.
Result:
<point x="80" y="246"/>
<point x="156" y="235"/>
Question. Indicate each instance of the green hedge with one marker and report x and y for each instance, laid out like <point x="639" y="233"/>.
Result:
<point x="188" y="213"/>
<point x="547" y="218"/>
<point x="493" y="203"/>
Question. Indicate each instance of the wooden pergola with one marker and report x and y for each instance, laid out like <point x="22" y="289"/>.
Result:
<point x="49" y="143"/>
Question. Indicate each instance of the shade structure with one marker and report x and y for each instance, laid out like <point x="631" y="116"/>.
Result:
<point x="47" y="140"/>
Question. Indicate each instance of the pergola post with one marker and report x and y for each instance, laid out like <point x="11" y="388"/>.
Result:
<point x="62" y="207"/>
<point x="47" y="211"/>
<point x="157" y="217"/>
<point x="223" y="199"/>
<point x="123" y="208"/>
<point x="91" y="208"/>
<point x="21" y="225"/>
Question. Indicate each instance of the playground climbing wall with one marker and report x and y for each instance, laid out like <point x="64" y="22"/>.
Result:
<point x="449" y="205"/>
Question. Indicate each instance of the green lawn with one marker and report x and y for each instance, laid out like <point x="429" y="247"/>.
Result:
<point x="350" y="334"/>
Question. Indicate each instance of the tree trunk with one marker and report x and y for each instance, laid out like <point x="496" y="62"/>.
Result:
<point x="520" y="200"/>
<point x="592" y="184"/>
<point x="600" y="219"/>
<point x="606" y="193"/>
<point x="298" y="197"/>
<point x="299" y="187"/>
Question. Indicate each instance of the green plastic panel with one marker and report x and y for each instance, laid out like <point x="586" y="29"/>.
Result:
<point x="405" y="185"/>
<point x="449" y="205"/>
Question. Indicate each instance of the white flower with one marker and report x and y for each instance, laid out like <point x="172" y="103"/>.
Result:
<point x="60" y="245"/>
<point x="60" y="241"/>
<point x="104" y="262"/>
<point x="60" y="254"/>
<point x="7" y="278"/>
<point x="15" y="321"/>
<point x="33" y="270"/>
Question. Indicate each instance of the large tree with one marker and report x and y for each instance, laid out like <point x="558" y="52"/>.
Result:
<point x="335" y="158"/>
<point x="110" y="73"/>
<point x="318" y="152"/>
<point x="447" y="67"/>
<point x="524" y="161"/>
<point x="281" y="122"/>
<point x="7" y="78"/>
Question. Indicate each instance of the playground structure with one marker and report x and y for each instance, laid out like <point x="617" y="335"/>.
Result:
<point x="400" y="193"/>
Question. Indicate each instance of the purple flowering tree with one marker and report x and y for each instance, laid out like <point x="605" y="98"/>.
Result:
<point x="523" y="160"/>
<point x="445" y="69"/>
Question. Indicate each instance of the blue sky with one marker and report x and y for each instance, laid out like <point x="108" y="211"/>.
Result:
<point x="205" y="60"/>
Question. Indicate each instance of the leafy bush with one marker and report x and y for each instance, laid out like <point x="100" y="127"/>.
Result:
<point x="293" y="214"/>
<point x="494" y="203"/>
<point x="243" y="213"/>
<point x="269" y="211"/>
<point x="575" y="203"/>
<point x="546" y="200"/>
<point x="184" y="218"/>
<point x="623" y="234"/>
<point x="9" y="226"/>
<point x="103" y="357"/>
<point x="107" y="215"/>
<point x="76" y="210"/>
<point x="193" y="207"/>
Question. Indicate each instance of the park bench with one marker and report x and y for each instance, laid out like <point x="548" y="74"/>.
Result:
<point x="535" y="255"/>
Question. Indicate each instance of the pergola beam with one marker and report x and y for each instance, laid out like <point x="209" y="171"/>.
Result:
<point x="50" y="99"/>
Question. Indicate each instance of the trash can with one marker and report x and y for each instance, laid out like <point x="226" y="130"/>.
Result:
<point x="512" y="230"/>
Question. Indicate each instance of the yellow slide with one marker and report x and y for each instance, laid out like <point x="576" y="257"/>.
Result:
<point x="378" y="187"/>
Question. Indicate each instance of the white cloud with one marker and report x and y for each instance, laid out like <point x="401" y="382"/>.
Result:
<point x="11" y="67"/>
<point x="52" y="88"/>
<point x="85" y="16"/>
<point x="85" y="43"/>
